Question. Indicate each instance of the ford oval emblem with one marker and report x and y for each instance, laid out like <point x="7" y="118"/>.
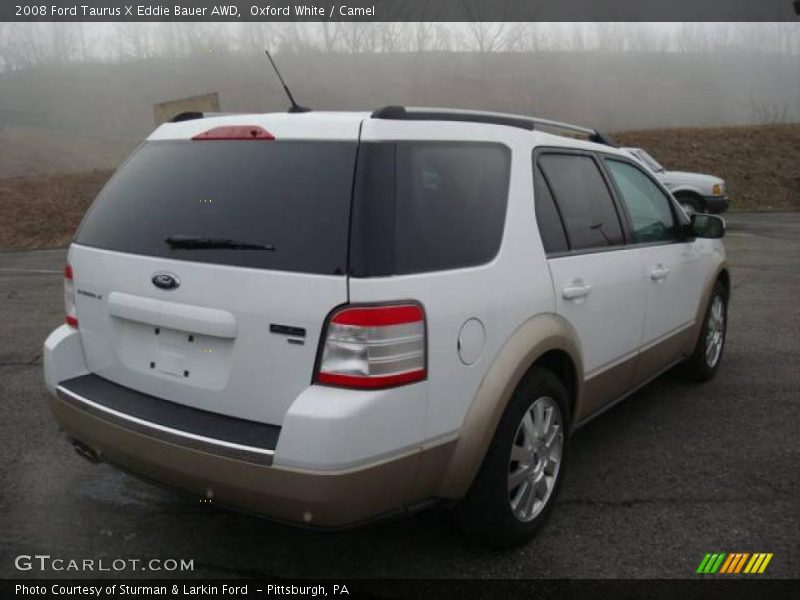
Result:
<point x="165" y="281"/>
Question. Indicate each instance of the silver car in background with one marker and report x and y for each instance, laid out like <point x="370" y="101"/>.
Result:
<point x="696" y="192"/>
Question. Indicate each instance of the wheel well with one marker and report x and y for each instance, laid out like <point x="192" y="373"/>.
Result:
<point x="725" y="279"/>
<point x="561" y="365"/>
<point x="690" y="195"/>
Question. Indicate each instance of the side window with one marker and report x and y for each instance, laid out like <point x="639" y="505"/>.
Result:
<point x="451" y="204"/>
<point x="422" y="206"/>
<point x="652" y="219"/>
<point x="551" y="229"/>
<point x="583" y="200"/>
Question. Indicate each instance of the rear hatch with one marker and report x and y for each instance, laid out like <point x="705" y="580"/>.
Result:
<point x="205" y="269"/>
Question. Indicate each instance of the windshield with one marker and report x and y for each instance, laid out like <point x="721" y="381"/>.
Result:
<point x="650" y="162"/>
<point x="226" y="202"/>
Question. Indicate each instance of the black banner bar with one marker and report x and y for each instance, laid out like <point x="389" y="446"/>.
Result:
<point x="398" y="10"/>
<point x="708" y="588"/>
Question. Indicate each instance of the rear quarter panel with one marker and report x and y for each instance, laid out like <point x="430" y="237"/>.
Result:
<point x="501" y="294"/>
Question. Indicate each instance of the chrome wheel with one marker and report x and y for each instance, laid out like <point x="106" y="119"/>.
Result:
<point x="715" y="331"/>
<point x="688" y="208"/>
<point x="535" y="458"/>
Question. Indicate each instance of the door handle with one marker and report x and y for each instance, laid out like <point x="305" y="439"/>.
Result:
<point x="659" y="273"/>
<point x="579" y="290"/>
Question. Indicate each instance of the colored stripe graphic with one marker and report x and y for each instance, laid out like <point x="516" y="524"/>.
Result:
<point x="742" y="560"/>
<point x="734" y="563"/>
<point x="730" y="564"/>
<point x="754" y="563"/>
<point x="764" y="564"/>
<point x="717" y="563"/>
<point x="710" y="563"/>
<point x="727" y="564"/>
<point x="703" y="563"/>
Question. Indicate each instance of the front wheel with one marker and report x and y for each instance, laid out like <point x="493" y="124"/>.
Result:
<point x="702" y="365"/>
<point x="515" y="489"/>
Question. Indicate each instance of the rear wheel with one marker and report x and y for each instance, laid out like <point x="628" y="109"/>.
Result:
<point x="515" y="489"/>
<point x="707" y="355"/>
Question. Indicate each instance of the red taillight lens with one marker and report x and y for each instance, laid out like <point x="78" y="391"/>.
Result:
<point x="236" y="132"/>
<point x="70" y="316"/>
<point x="372" y="347"/>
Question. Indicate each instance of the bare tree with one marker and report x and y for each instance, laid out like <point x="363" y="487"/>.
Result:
<point x="487" y="37"/>
<point x="763" y="112"/>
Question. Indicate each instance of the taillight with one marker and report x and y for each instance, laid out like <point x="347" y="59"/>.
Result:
<point x="374" y="347"/>
<point x="70" y="316"/>
<point x="235" y="132"/>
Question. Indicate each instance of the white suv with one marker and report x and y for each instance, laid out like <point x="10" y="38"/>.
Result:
<point x="331" y="317"/>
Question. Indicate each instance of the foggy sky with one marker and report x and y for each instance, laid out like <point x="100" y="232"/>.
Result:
<point x="27" y="44"/>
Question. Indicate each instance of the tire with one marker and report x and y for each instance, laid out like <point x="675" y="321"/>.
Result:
<point x="704" y="362"/>
<point x="690" y="205"/>
<point x="487" y="513"/>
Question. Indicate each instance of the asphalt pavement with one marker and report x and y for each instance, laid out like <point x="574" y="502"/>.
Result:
<point x="674" y="472"/>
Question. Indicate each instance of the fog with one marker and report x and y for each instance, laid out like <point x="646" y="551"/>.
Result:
<point x="98" y="82"/>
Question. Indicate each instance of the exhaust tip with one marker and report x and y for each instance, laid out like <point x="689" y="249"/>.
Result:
<point x="86" y="452"/>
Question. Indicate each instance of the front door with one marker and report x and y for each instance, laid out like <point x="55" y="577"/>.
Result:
<point x="673" y="267"/>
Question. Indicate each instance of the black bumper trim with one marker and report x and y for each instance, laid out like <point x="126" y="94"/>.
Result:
<point x="716" y="204"/>
<point x="169" y="421"/>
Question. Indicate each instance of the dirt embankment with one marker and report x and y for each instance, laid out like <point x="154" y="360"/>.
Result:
<point x="44" y="211"/>
<point x="761" y="165"/>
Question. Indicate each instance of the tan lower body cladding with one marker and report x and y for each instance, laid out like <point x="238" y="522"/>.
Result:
<point x="313" y="498"/>
<point x="627" y="375"/>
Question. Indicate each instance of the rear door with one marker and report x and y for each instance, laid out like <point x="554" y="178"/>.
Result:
<point x="205" y="269"/>
<point x="597" y="279"/>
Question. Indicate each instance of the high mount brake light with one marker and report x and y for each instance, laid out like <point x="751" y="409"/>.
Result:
<point x="372" y="347"/>
<point x="235" y="132"/>
<point x="70" y="316"/>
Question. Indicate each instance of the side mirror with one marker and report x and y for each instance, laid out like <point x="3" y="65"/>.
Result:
<point x="707" y="226"/>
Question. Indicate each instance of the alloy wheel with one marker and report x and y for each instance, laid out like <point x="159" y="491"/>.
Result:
<point x="715" y="331"/>
<point x="535" y="458"/>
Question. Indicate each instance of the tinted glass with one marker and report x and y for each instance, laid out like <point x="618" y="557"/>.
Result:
<point x="426" y="206"/>
<point x="547" y="218"/>
<point x="583" y="199"/>
<point x="652" y="219"/>
<point x="294" y="196"/>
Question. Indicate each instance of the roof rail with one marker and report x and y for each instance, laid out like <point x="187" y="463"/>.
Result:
<point x="413" y="113"/>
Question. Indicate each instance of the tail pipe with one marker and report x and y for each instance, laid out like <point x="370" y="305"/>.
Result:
<point x="86" y="452"/>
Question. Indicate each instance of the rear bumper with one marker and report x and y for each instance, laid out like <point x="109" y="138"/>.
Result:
<point x="716" y="204"/>
<point x="170" y="422"/>
<point x="321" y="499"/>
<point x="234" y="464"/>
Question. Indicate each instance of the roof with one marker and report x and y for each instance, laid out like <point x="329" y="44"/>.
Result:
<point x="346" y="125"/>
<point x="309" y="125"/>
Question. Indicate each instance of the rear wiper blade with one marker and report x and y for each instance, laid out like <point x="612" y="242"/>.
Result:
<point x="194" y="242"/>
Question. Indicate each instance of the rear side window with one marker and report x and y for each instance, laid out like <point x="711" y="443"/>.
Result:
<point x="652" y="219"/>
<point x="428" y="206"/>
<point x="583" y="199"/>
<point x="551" y="229"/>
<point x="291" y="195"/>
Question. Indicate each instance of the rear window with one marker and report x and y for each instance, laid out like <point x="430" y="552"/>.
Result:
<point x="428" y="206"/>
<point x="293" y="196"/>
